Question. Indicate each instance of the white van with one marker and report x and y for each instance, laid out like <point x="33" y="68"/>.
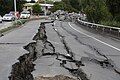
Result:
<point x="25" y="15"/>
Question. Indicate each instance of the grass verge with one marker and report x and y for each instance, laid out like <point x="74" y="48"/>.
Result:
<point x="15" y="24"/>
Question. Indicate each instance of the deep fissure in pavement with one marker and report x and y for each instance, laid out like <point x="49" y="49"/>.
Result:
<point x="108" y="63"/>
<point x="78" y="72"/>
<point x="22" y="70"/>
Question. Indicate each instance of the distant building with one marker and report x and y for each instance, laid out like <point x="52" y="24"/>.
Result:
<point x="28" y="6"/>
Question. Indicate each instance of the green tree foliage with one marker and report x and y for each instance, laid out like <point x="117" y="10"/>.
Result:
<point x="96" y="10"/>
<point x="75" y="4"/>
<point x="49" y="2"/>
<point x="36" y="8"/>
<point x="114" y="8"/>
<point x="69" y="6"/>
<point x="57" y="6"/>
<point x="8" y="5"/>
<point x="63" y="5"/>
<point x="5" y="6"/>
<point x="20" y="5"/>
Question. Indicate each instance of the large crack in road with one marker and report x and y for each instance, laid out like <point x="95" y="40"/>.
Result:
<point x="23" y="69"/>
<point x="106" y="63"/>
<point x="76" y="72"/>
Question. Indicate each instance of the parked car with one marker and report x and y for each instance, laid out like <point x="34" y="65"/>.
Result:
<point x="25" y="15"/>
<point x="0" y="19"/>
<point x="9" y="17"/>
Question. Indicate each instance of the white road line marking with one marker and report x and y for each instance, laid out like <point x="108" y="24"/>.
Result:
<point x="94" y="38"/>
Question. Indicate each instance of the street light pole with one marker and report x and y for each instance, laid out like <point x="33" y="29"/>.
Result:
<point x="45" y="8"/>
<point x="15" y="7"/>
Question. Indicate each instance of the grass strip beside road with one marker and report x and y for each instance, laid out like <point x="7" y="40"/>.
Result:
<point x="15" y="24"/>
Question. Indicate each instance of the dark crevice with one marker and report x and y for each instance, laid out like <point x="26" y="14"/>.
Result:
<point x="78" y="40"/>
<point x="76" y="72"/>
<point x="10" y="43"/>
<point x="22" y="70"/>
<point x="107" y="63"/>
<point x="67" y="48"/>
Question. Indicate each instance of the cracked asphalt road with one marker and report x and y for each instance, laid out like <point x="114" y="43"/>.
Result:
<point x="11" y="46"/>
<point x="84" y="48"/>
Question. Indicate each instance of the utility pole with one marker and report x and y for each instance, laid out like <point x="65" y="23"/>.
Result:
<point x="15" y="7"/>
<point x="45" y="8"/>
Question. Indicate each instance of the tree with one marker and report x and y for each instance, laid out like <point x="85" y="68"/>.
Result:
<point x="96" y="10"/>
<point x="36" y="8"/>
<point x="63" y="5"/>
<point x="75" y="4"/>
<point x="47" y="1"/>
<point x="114" y="8"/>
<point x="8" y="5"/>
<point x="57" y="6"/>
<point x="40" y="1"/>
<point x="20" y="5"/>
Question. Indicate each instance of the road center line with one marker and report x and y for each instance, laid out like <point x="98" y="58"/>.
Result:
<point x="94" y="38"/>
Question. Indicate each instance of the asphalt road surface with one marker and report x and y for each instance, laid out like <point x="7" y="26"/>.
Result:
<point x="11" y="46"/>
<point x="86" y="46"/>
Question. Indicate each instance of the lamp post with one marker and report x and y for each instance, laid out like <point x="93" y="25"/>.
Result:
<point x="45" y="8"/>
<point x="15" y="7"/>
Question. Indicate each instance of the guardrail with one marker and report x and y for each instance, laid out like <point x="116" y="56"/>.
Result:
<point x="101" y="28"/>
